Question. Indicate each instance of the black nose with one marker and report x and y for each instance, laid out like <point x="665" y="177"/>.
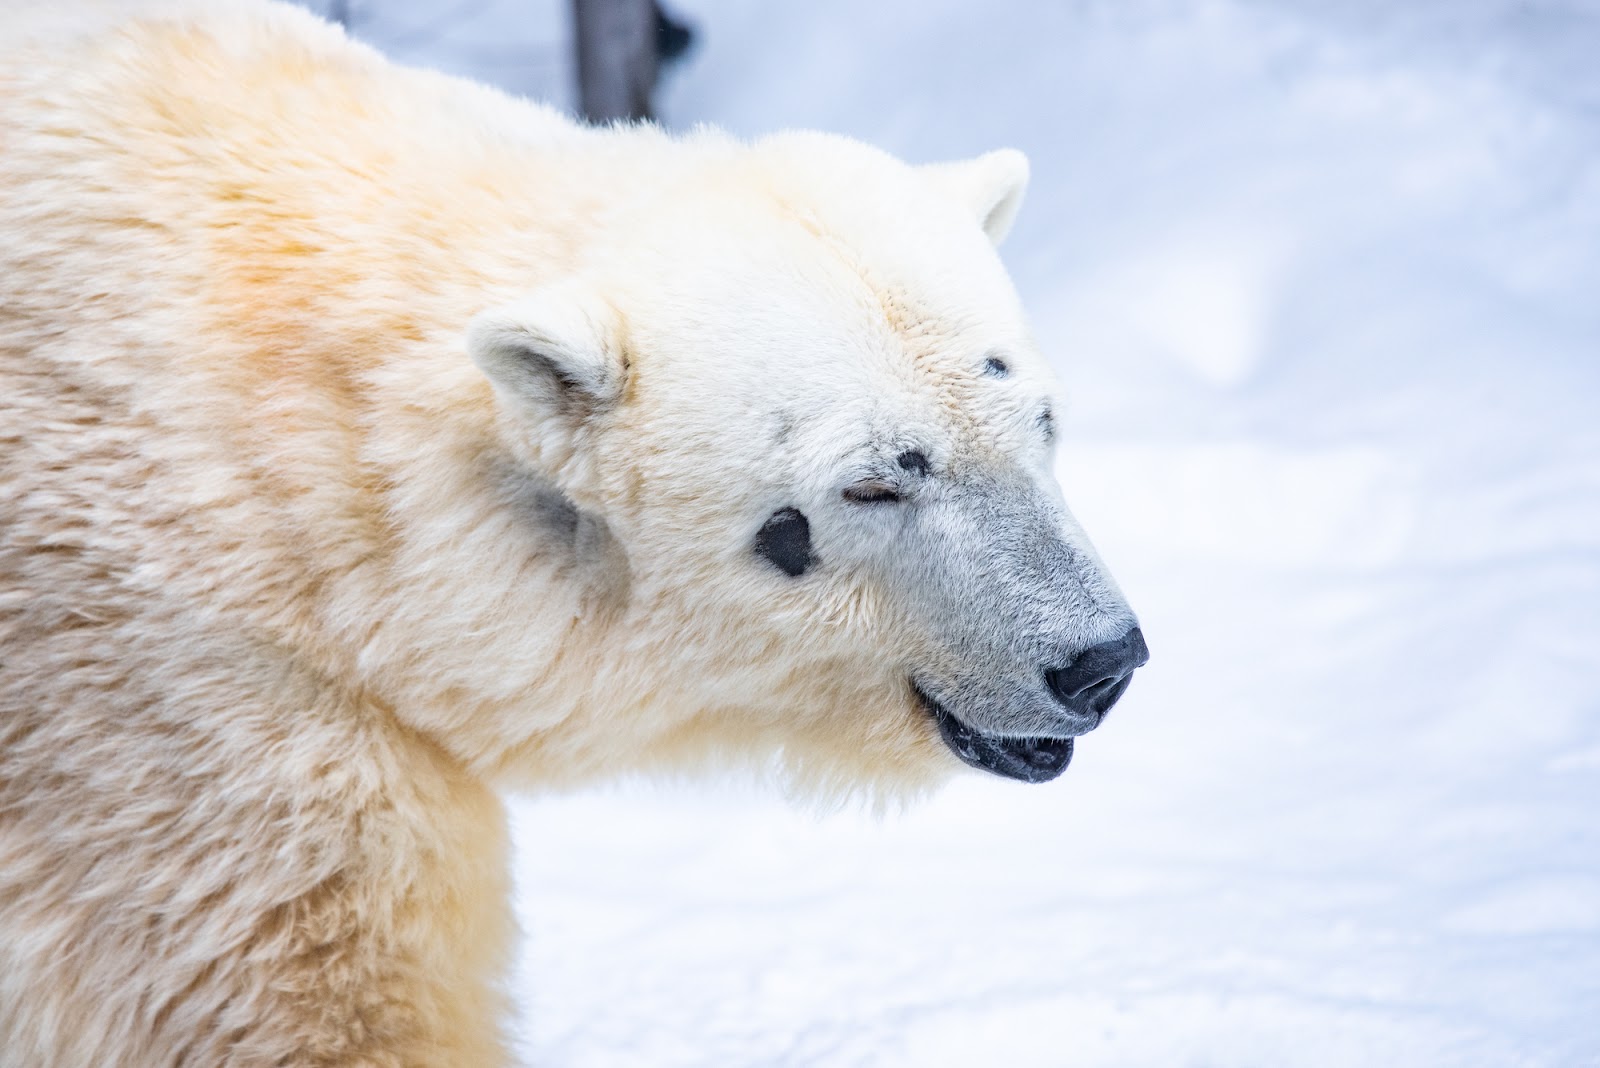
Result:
<point x="1091" y="684"/>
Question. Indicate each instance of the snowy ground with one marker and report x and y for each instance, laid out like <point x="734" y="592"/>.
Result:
<point x="1324" y="279"/>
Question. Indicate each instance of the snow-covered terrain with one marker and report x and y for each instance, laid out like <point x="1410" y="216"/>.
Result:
<point x="1323" y="277"/>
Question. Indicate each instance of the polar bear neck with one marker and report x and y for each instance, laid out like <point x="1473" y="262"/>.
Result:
<point x="305" y="275"/>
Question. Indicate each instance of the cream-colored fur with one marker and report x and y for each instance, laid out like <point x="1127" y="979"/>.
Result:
<point x="300" y="558"/>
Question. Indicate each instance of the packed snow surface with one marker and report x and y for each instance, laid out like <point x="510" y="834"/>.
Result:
<point x="1323" y="278"/>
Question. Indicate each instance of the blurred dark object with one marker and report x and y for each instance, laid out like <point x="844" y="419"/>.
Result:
<point x="622" y="47"/>
<point x="673" y="38"/>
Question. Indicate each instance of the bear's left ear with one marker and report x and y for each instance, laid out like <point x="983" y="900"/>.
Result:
<point x="558" y="352"/>
<point x="991" y="186"/>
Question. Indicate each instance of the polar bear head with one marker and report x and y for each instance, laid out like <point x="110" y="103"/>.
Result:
<point x="789" y="425"/>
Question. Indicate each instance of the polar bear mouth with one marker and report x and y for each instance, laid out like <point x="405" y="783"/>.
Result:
<point x="1027" y="759"/>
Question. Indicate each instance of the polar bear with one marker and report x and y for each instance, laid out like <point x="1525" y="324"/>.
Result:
<point x="371" y="441"/>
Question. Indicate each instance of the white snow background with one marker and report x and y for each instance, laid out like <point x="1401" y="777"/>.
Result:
<point x="1323" y="279"/>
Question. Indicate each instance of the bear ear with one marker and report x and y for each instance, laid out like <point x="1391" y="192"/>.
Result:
<point x="558" y="351"/>
<point x="991" y="186"/>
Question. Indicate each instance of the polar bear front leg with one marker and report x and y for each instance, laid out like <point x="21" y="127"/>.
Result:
<point x="344" y="977"/>
<point x="391" y="957"/>
<point x="249" y="883"/>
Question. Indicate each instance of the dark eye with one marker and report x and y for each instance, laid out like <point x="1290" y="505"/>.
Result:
<point x="913" y="460"/>
<point x="872" y="493"/>
<point x="784" y="540"/>
<point x="995" y="367"/>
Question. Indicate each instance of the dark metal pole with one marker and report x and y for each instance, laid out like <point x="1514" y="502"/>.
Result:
<point x="617" y="58"/>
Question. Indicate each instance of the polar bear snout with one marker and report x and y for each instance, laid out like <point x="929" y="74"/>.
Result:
<point x="1096" y="678"/>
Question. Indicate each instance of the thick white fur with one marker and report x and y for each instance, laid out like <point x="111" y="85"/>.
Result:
<point x="289" y="582"/>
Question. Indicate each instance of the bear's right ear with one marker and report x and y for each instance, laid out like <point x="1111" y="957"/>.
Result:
<point x="558" y="352"/>
<point x="991" y="186"/>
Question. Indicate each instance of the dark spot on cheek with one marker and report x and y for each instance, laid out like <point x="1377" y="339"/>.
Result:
<point x="1047" y="423"/>
<point x="783" y="427"/>
<point x="913" y="460"/>
<point x="785" y="541"/>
